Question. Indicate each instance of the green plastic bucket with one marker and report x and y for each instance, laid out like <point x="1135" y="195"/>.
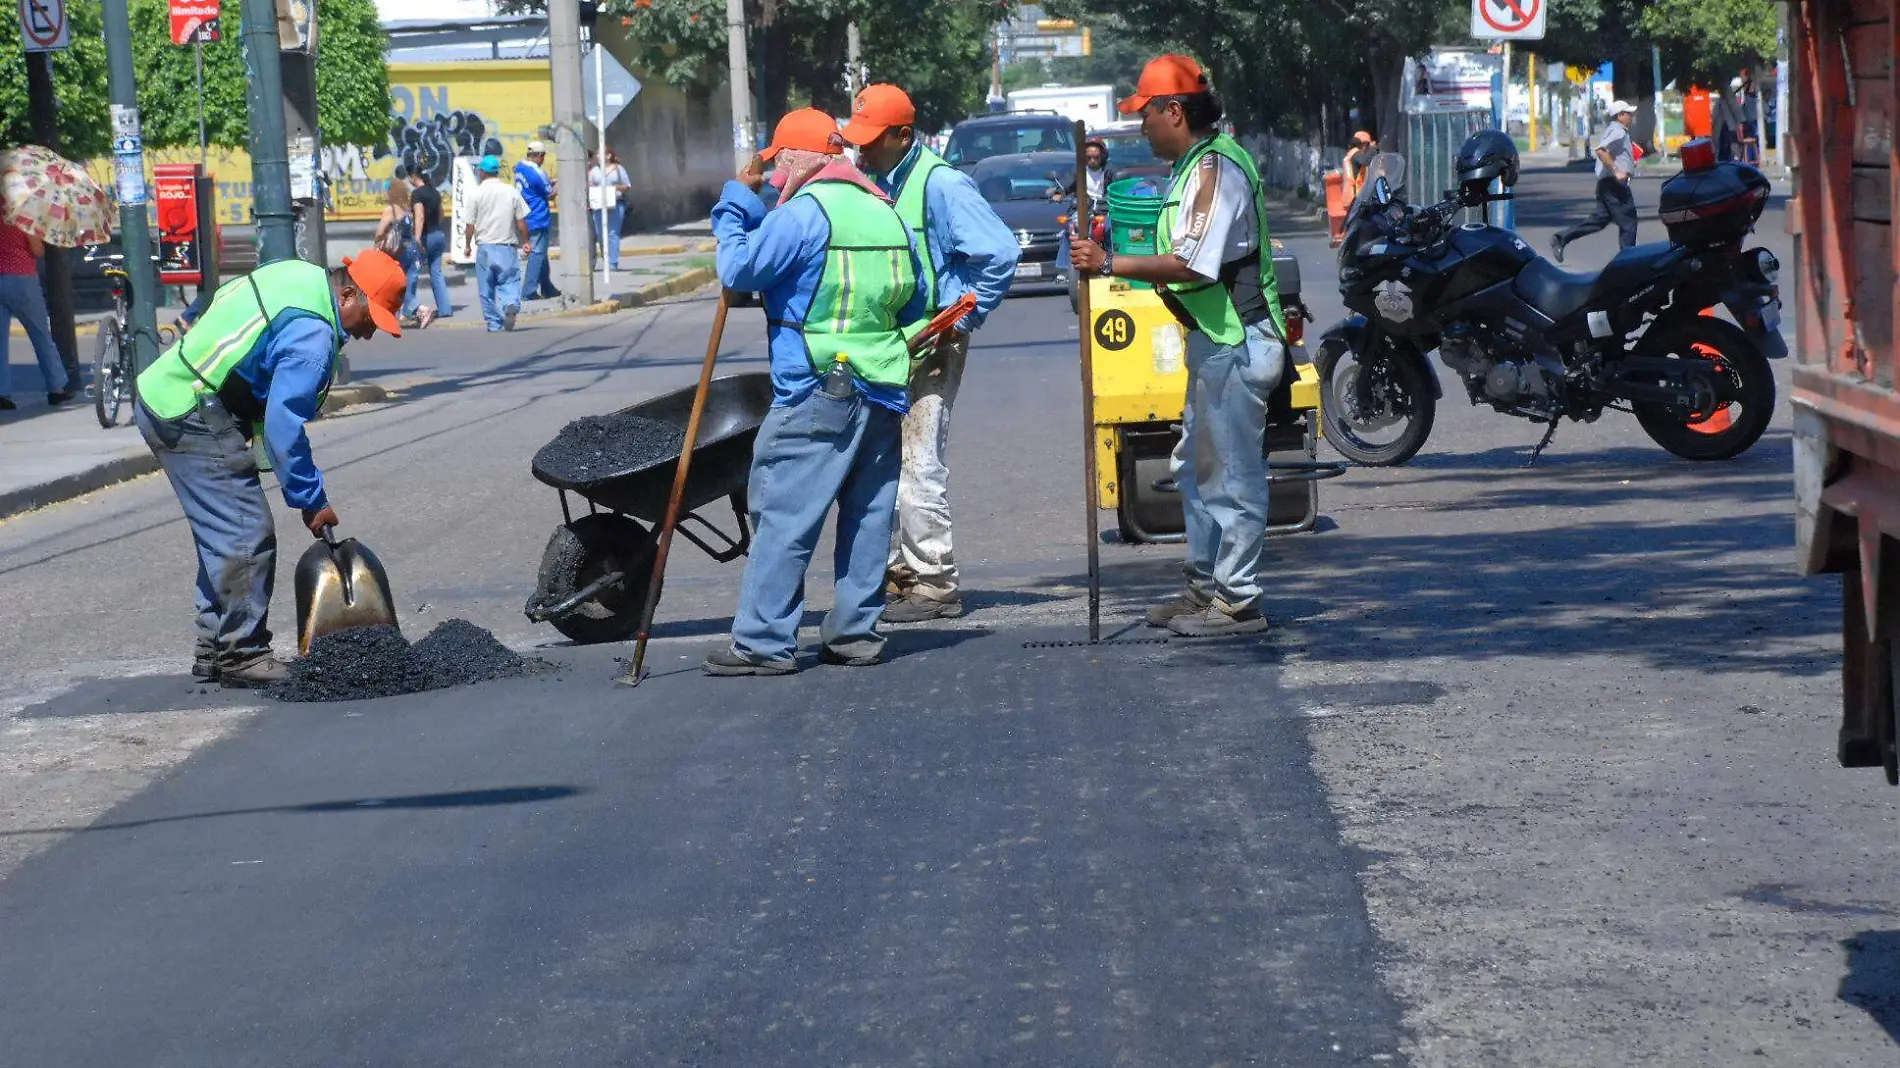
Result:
<point x="1134" y="211"/>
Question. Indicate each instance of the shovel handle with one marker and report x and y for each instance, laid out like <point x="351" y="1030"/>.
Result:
<point x="328" y="533"/>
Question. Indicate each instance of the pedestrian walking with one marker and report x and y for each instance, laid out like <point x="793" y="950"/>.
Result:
<point x="432" y="242"/>
<point x="1214" y="271"/>
<point x="840" y="279"/>
<point x="496" y="230"/>
<point x="537" y="189"/>
<point x="1726" y="119"/>
<point x="964" y="248"/>
<point x="607" y="189"/>
<point x="1616" y="161"/>
<point x="23" y="297"/>
<point x="256" y="366"/>
<point x="1748" y="116"/>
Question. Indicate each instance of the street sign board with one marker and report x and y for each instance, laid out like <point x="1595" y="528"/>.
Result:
<point x="43" y="25"/>
<point x="1508" y="20"/>
<point x="620" y="85"/>
<point x="194" y="20"/>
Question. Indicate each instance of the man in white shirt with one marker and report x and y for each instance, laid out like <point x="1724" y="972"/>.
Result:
<point x="1215" y="273"/>
<point x="497" y="228"/>
<point x="1616" y="161"/>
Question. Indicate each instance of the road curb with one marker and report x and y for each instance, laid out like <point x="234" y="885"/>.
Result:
<point x="78" y="484"/>
<point x="355" y="393"/>
<point x="684" y="282"/>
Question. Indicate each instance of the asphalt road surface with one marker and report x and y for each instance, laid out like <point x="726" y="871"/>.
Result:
<point x="1536" y="768"/>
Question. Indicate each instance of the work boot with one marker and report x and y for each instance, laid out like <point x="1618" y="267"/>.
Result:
<point x="1557" y="247"/>
<point x="1191" y="602"/>
<point x="730" y="661"/>
<point x="245" y="671"/>
<point x="54" y="400"/>
<point x="204" y="662"/>
<point x="1220" y="619"/>
<point x="832" y="656"/>
<point x="916" y="608"/>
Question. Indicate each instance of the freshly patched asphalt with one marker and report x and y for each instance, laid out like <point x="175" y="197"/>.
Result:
<point x="368" y="662"/>
<point x="1535" y="769"/>
<point x="601" y="445"/>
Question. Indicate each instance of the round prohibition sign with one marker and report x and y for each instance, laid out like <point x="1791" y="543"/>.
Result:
<point x="50" y="16"/>
<point x="1511" y="15"/>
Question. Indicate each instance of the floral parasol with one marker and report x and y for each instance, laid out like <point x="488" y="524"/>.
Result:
<point x="53" y="198"/>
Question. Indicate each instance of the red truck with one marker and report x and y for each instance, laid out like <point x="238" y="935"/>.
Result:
<point x="1844" y="94"/>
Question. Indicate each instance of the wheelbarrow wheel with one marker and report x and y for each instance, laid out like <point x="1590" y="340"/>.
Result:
<point x="580" y="554"/>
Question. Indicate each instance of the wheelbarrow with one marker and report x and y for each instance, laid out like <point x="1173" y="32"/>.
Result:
<point x="595" y="570"/>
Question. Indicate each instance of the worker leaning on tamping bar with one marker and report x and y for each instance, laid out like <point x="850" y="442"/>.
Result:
<point x="258" y="360"/>
<point x="840" y="279"/>
<point x="1214" y="271"/>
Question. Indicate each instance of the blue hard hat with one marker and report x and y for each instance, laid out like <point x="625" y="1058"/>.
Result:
<point x="491" y="164"/>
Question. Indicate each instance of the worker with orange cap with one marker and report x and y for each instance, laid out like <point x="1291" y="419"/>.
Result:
<point x="1358" y="157"/>
<point x="965" y="248"/>
<point x="840" y="280"/>
<point x="254" y="369"/>
<point x="1214" y="271"/>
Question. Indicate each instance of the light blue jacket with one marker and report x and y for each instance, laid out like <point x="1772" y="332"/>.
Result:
<point x="970" y="247"/>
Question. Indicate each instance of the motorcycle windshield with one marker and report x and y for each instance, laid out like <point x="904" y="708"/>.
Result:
<point x="1385" y="175"/>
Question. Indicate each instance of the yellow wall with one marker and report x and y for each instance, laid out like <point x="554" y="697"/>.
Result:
<point x="445" y="110"/>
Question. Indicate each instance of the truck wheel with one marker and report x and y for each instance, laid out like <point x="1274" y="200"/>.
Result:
<point x="580" y="553"/>
<point x="1743" y="385"/>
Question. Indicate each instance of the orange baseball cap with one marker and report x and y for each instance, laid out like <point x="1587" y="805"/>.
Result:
<point x="879" y="108"/>
<point x="383" y="283"/>
<point x="1168" y="75"/>
<point x="808" y="129"/>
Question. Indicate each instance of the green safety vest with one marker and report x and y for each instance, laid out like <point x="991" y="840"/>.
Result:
<point x="1248" y="291"/>
<point x="910" y="207"/>
<point x="199" y="364"/>
<point x="867" y="281"/>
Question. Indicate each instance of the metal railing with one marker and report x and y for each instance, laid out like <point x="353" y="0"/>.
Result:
<point x="1431" y="152"/>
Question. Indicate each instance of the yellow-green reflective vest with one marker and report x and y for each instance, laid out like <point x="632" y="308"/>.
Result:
<point x="866" y="283"/>
<point x="1248" y="291"/>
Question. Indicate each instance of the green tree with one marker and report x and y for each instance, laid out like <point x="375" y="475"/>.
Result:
<point x="1708" y="40"/>
<point x="79" y="78"/>
<point x="352" y="78"/>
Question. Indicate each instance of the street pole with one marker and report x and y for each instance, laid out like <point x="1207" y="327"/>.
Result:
<point x="135" y="231"/>
<point x="270" y="154"/>
<point x="1530" y="76"/>
<point x="1781" y="90"/>
<point x="1655" y="79"/>
<point x="607" y="191"/>
<point x="742" y="144"/>
<point x="42" y="105"/>
<point x="854" y="66"/>
<point x="198" y="63"/>
<point x="570" y="152"/>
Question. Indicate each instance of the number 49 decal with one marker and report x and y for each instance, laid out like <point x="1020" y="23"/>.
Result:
<point x="1114" y="330"/>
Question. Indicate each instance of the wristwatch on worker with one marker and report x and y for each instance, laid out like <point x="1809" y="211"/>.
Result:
<point x="1107" y="269"/>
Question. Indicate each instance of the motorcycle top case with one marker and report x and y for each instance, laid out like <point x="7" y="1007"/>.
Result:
<point x="1717" y="206"/>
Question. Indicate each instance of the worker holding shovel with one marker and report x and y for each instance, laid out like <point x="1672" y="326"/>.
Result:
<point x="257" y="363"/>
<point x="840" y="279"/>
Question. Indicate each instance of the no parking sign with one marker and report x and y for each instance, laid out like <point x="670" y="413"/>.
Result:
<point x="1508" y="20"/>
<point x="43" y="25"/>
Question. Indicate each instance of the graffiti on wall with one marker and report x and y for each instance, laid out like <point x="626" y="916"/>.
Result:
<point x="429" y="144"/>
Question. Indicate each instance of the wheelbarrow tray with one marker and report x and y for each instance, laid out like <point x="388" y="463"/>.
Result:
<point x="722" y="457"/>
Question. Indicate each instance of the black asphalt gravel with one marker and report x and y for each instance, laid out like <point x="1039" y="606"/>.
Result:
<point x="368" y="662"/>
<point x="600" y="445"/>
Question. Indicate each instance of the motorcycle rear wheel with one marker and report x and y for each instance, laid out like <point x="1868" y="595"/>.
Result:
<point x="1746" y="398"/>
<point x="1407" y="389"/>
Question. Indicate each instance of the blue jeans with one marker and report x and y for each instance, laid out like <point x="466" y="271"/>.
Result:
<point x="429" y="253"/>
<point x="215" y="475"/>
<point x="808" y="455"/>
<point x="1220" y="469"/>
<point x="22" y="298"/>
<point x="616" y="215"/>
<point x="536" y="281"/>
<point x="497" y="280"/>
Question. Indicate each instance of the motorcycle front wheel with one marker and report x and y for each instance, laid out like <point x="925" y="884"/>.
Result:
<point x="1739" y="378"/>
<point x="1376" y="410"/>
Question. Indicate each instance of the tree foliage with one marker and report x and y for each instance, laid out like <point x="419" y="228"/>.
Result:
<point x="352" y="79"/>
<point x="1708" y="40"/>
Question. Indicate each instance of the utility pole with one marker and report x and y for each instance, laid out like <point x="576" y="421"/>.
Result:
<point x="854" y="72"/>
<point x="270" y="154"/>
<point x="570" y="152"/>
<point x="304" y="149"/>
<point x="742" y="145"/>
<point x="128" y="159"/>
<point x="42" y="106"/>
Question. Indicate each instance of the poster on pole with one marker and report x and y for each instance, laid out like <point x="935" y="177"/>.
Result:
<point x="43" y="26"/>
<point x="194" y="21"/>
<point x="461" y="188"/>
<point x="1508" y="20"/>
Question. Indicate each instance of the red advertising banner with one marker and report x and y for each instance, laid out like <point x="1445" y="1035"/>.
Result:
<point x="180" y="259"/>
<point x="194" y="20"/>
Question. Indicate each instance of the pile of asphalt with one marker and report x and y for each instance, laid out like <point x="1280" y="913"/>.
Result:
<point x="368" y="662"/>
<point x="598" y="445"/>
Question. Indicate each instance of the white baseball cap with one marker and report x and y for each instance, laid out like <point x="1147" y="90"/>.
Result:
<point x="1616" y="109"/>
<point x="536" y="146"/>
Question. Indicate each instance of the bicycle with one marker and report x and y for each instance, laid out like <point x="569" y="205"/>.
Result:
<point x="114" y="356"/>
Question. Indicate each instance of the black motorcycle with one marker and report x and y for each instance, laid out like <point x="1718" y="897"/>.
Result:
<point x="1541" y="343"/>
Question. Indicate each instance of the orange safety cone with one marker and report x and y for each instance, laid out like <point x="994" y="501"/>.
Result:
<point x="1720" y="420"/>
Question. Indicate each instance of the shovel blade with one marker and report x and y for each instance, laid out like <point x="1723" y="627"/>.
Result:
<point x="339" y="588"/>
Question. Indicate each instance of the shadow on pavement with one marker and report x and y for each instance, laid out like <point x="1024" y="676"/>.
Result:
<point x="501" y="795"/>
<point x="1872" y="982"/>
